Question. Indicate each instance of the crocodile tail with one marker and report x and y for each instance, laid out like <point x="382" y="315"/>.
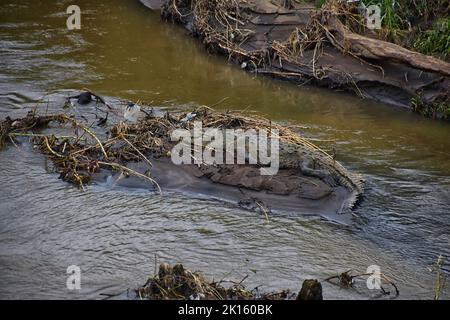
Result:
<point x="355" y="184"/>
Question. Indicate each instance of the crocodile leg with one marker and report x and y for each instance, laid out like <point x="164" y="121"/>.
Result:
<point x="306" y="167"/>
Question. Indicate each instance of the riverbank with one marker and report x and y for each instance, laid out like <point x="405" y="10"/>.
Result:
<point x="329" y="47"/>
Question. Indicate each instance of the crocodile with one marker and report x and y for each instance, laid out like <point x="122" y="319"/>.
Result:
<point x="305" y="170"/>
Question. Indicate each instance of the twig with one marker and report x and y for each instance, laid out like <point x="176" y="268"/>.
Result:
<point x="132" y="172"/>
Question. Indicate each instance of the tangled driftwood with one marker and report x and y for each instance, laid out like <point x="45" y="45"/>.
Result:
<point x="179" y="283"/>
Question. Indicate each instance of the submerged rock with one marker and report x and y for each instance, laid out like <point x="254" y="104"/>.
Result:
<point x="311" y="290"/>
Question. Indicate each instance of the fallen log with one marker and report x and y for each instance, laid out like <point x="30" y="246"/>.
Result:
<point x="347" y="41"/>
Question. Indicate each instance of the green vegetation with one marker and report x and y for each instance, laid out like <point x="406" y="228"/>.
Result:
<point x="404" y="14"/>
<point x="319" y="3"/>
<point x="444" y="109"/>
<point x="435" y="41"/>
<point x="421" y="25"/>
<point x="439" y="110"/>
<point x="390" y="17"/>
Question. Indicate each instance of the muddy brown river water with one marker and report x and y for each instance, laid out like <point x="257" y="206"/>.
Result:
<point x="123" y="51"/>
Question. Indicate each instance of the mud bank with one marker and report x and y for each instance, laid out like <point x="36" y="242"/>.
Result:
<point x="321" y="47"/>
